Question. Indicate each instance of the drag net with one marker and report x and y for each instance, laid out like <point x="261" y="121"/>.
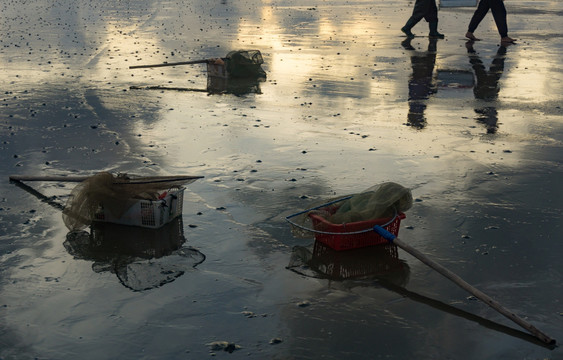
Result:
<point x="385" y="200"/>
<point x="117" y="193"/>
<point x="245" y="63"/>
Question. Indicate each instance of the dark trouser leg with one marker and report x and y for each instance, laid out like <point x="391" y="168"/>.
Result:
<point x="431" y="14"/>
<point x="433" y="25"/>
<point x="499" y="14"/>
<point x="432" y="18"/>
<point x="482" y="9"/>
<point x="422" y="9"/>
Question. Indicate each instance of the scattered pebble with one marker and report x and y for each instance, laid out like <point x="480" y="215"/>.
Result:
<point x="276" y="341"/>
<point x="223" y="345"/>
<point x="492" y="227"/>
<point x="249" y="314"/>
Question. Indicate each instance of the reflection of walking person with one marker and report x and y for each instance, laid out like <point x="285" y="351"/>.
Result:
<point x="487" y="86"/>
<point x="499" y="14"/>
<point x="421" y="82"/>
<point x="428" y="10"/>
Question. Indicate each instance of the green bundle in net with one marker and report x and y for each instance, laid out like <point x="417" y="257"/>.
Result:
<point x="379" y="201"/>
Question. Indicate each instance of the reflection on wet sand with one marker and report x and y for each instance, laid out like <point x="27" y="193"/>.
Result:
<point x="141" y="258"/>
<point x="217" y="85"/>
<point x="238" y="73"/>
<point x="487" y="85"/>
<point x="372" y="262"/>
<point x="380" y="266"/>
<point x="421" y="83"/>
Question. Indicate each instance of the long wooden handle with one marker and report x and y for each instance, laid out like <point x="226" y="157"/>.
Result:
<point x="48" y="178"/>
<point x="466" y="286"/>
<point x="170" y="64"/>
<point x="140" y="180"/>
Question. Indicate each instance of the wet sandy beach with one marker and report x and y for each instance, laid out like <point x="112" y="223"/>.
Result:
<point x="474" y="131"/>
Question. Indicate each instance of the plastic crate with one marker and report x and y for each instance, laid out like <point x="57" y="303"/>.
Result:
<point x="355" y="234"/>
<point x="148" y="213"/>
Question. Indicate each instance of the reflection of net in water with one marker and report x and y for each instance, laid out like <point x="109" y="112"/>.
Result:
<point x="144" y="274"/>
<point x="141" y="258"/>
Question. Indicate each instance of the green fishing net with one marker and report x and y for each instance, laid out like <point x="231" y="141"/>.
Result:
<point x="245" y="63"/>
<point x="379" y="201"/>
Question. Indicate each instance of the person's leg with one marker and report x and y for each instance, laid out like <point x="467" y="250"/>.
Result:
<point x="418" y="12"/>
<point x="482" y="9"/>
<point x="499" y="14"/>
<point x="432" y="18"/>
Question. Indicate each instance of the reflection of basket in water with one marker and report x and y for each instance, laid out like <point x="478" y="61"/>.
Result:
<point x="355" y="234"/>
<point x="148" y="213"/>
<point x="136" y="241"/>
<point x="354" y="264"/>
<point x="108" y="242"/>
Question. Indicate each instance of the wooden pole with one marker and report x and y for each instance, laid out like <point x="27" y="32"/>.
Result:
<point x="39" y="195"/>
<point x="135" y="180"/>
<point x="48" y="178"/>
<point x="170" y="64"/>
<point x="464" y="285"/>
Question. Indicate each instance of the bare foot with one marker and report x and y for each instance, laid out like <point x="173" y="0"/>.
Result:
<point x="470" y="36"/>
<point x="507" y="39"/>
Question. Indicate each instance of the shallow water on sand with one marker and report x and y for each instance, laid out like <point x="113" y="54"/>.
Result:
<point x="476" y="133"/>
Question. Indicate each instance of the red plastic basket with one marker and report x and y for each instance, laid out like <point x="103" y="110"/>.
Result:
<point x="355" y="234"/>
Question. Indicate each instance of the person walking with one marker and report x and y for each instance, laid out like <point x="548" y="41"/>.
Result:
<point x="427" y="10"/>
<point x="499" y="14"/>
